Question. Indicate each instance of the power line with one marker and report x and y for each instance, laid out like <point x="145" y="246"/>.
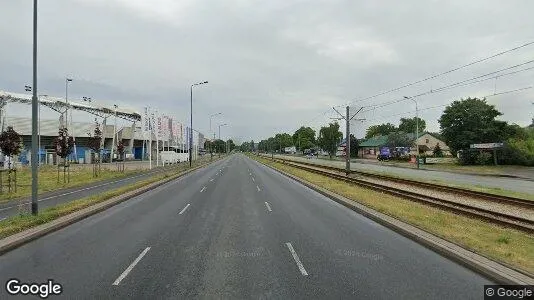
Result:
<point x="443" y="73"/>
<point x="460" y="84"/>
<point x="442" y="105"/>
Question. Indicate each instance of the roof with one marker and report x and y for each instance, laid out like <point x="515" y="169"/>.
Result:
<point x="376" y="141"/>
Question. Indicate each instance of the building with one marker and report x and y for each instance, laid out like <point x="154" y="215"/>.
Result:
<point x="426" y="142"/>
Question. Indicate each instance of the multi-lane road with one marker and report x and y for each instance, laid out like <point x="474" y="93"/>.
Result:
<point x="236" y="229"/>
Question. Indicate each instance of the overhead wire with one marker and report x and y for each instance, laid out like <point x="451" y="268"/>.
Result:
<point x="442" y="73"/>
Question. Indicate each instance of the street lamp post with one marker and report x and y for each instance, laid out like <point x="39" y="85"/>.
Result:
<point x="211" y="147"/>
<point x="220" y="125"/>
<point x="114" y="133"/>
<point x="416" y="130"/>
<point x="191" y="128"/>
<point x="34" y="205"/>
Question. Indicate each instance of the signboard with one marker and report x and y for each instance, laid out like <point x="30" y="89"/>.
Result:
<point x="487" y="146"/>
<point x="441" y="160"/>
<point x="146" y="123"/>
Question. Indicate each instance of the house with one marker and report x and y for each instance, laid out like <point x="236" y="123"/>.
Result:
<point x="426" y="143"/>
<point x="290" y="150"/>
<point x="371" y="147"/>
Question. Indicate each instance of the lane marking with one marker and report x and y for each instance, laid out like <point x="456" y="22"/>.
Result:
<point x="258" y="188"/>
<point x="130" y="267"/>
<point x="204" y="188"/>
<point x="297" y="260"/>
<point x="3" y="219"/>
<point x="268" y="207"/>
<point x="184" y="209"/>
<point x="253" y="179"/>
<point x="211" y="179"/>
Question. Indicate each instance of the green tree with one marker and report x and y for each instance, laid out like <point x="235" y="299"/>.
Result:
<point x="382" y="129"/>
<point x="252" y="146"/>
<point x="399" y="139"/>
<point x="353" y="146"/>
<point x="329" y="138"/>
<point x="437" y="151"/>
<point x="304" y="138"/>
<point x="218" y="146"/>
<point x="469" y="121"/>
<point x="10" y="143"/>
<point x="283" y="140"/>
<point x="410" y="125"/>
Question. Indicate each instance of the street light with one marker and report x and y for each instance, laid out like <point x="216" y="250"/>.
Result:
<point x="220" y="125"/>
<point x="35" y="113"/>
<point x="211" y="147"/>
<point x="67" y="80"/>
<point x="191" y="129"/>
<point x="87" y="99"/>
<point x="114" y="132"/>
<point x="416" y="130"/>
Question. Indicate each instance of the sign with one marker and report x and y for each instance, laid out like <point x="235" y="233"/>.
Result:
<point x="487" y="146"/>
<point x="441" y="160"/>
<point x="146" y="123"/>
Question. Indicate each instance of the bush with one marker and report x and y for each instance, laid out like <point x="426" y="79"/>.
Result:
<point x="484" y="158"/>
<point x="518" y="152"/>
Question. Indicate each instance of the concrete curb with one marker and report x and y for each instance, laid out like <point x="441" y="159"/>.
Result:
<point x="14" y="241"/>
<point x="476" y="262"/>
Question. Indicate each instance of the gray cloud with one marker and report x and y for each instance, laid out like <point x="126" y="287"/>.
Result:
<point x="272" y="65"/>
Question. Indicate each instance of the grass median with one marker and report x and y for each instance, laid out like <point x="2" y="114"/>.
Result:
<point x="15" y="224"/>
<point x="508" y="246"/>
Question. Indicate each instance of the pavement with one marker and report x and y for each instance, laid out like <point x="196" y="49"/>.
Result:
<point x="53" y="198"/>
<point x="513" y="184"/>
<point x="236" y="229"/>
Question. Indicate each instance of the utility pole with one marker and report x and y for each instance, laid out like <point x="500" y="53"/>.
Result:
<point x="347" y="119"/>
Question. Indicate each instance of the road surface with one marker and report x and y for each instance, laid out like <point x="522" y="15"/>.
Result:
<point x="236" y="229"/>
<point x="511" y="184"/>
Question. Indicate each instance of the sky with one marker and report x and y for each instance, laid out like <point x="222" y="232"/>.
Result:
<point x="272" y="66"/>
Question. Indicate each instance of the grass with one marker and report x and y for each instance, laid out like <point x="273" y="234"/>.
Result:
<point x="476" y="188"/>
<point x="48" y="180"/>
<point x="506" y="245"/>
<point x="15" y="224"/>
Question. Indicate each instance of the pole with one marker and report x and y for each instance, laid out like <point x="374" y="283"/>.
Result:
<point x="34" y="114"/>
<point x="113" y="139"/>
<point x="347" y="144"/>
<point x="191" y="131"/>
<point x="39" y="133"/>
<point x="416" y="132"/>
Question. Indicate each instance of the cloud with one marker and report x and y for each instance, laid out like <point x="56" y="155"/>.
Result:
<point x="271" y="65"/>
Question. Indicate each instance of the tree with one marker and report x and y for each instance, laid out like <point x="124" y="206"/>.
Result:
<point x="304" y="138"/>
<point x="399" y="139"/>
<point x="437" y="152"/>
<point x="10" y="143"/>
<point x="64" y="145"/>
<point x="469" y="121"/>
<point x="353" y="146"/>
<point x="219" y="146"/>
<point x="252" y="144"/>
<point x="231" y="146"/>
<point x="410" y="124"/>
<point x="329" y="138"/>
<point x="95" y="143"/>
<point x="283" y="140"/>
<point x="382" y="129"/>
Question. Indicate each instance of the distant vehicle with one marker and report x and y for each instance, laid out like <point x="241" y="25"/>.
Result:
<point x="384" y="153"/>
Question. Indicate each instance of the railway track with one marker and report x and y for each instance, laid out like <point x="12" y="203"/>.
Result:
<point x="492" y="216"/>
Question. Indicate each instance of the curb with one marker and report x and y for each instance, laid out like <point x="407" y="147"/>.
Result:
<point x="473" y="261"/>
<point x="16" y="240"/>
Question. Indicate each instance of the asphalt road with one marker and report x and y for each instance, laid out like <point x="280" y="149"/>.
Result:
<point x="53" y="198"/>
<point x="511" y="184"/>
<point x="236" y="229"/>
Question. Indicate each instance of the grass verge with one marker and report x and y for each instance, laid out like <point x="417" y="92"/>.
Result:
<point x="48" y="180"/>
<point x="476" y="188"/>
<point x="506" y="245"/>
<point x="15" y="224"/>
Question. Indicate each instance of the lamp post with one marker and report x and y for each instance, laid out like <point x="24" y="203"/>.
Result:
<point x="211" y="116"/>
<point x="114" y="132"/>
<point x="220" y="125"/>
<point x="191" y="128"/>
<point x="67" y="80"/>
<point x="35" y="112"/>
<point x="416" y="130"/>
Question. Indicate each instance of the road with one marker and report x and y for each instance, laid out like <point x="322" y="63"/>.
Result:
<point x="512" y="184"/>
<point x="236" y="229"/>
<point x="53" y="198"/>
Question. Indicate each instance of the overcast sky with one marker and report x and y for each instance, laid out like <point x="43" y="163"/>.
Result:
<point x="271" y="65"/>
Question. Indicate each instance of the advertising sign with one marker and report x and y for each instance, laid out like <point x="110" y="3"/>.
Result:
<point x="487" y="146"/>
